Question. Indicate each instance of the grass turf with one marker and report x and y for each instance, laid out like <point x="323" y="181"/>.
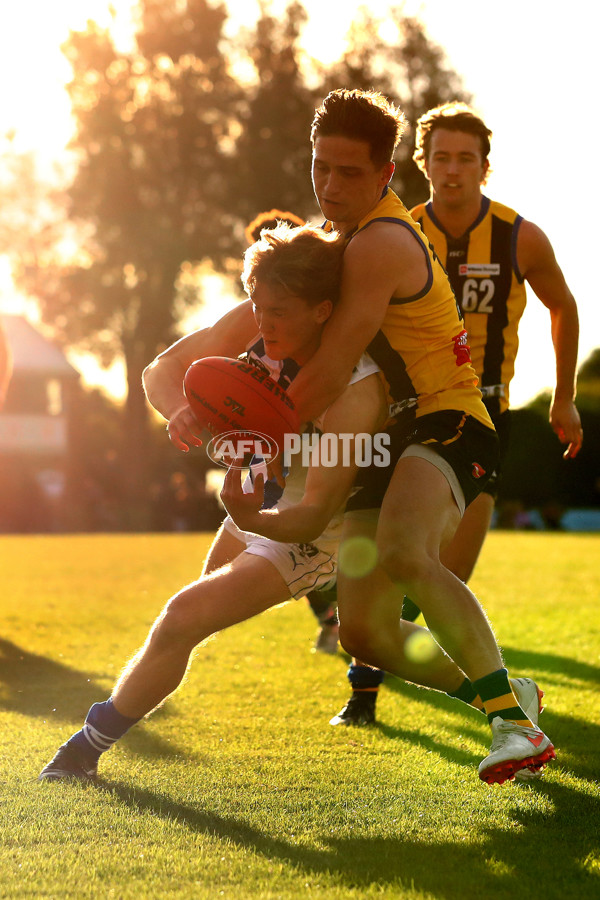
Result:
<point x="239" y="788"/>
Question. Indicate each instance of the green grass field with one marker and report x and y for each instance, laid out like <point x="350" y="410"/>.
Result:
<point x="239" y="788"/>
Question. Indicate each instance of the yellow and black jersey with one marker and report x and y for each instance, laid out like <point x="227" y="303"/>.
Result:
<point x="422" y="347"/>
<point x="490" y="290"/>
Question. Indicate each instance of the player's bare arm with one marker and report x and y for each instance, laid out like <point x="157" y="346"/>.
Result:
<point x="361" y="409"/>
<point x="537" y="263"/>
<point x="382" y="261"/>
<point x="163" y="378"/>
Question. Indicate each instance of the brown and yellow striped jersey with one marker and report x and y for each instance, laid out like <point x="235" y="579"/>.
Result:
<point x="490" y="290"/>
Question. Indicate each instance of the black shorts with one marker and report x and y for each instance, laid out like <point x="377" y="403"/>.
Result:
<point x="469" y="448"/>
<point x="502" y="425"/>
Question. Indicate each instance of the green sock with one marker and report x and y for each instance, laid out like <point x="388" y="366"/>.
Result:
<point x="498" y="698"/>
<point x="467" y="693"/>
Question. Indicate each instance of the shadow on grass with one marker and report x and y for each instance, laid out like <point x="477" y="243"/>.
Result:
<point x="541" y="856"/>
<point x="38" y="686"/>
<point x="430" y="744"/>
<point x="551" y="663"/>
<point x="43" y="688"/>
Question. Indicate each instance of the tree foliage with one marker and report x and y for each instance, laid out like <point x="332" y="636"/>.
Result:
<point x="408" y="68"/>
<point x="273" y="151"/>
<point x="176" y="154"/>
<point x="155" y="130"/>
<point x="536" y="474"/>
<point x="588" y="380"/>
<point x="176" y="151"/>
<point x="153" y="133"/>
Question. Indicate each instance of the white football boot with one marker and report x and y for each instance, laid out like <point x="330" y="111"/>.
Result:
<point x="515" y="748"/>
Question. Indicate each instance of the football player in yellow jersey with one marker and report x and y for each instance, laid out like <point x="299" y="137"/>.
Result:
<point x="396" y="301"/>
<point x="490" y="253"/>
<point x="452" y="149"/>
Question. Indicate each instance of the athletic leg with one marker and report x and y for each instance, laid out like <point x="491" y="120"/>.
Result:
<point x="460" y="557"/>
<point x="223" y="550"/>
<point x="462" y="553"/>
<point x="238" y="591"/>
<point x="365" y="682"/>
<point x="409" y="545"/>
<point x="372" y="630"/>
<point x="324" y="607"/>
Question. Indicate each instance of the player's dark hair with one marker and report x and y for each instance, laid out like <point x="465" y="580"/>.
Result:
<point x="454" y="116"/>
<point x="269" y="219"/>
<point x="304" y="261"/>
<point x="362" y="116"/>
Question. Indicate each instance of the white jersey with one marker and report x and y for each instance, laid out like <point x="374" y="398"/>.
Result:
<point x="283" y="372"/>
<point x="304" y="567"/>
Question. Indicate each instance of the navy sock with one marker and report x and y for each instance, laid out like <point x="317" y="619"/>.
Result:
<point x="364" y="678"/>
<point x="103" y="727"/>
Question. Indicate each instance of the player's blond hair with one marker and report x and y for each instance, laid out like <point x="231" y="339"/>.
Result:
<point x="455" y="116"/>
<point x="304" y="261"/>
<point x="361" y="116"/>
<point x="269" y="219"/>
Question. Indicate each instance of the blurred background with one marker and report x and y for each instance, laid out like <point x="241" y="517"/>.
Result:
<point x="138" y="139"/>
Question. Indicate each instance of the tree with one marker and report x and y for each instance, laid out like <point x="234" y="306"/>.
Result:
<point x="588" y="380"/>
<point x="409" y="69"/>
<point x="155" y="128"/>
<point x="31" y="221"/>
<point x="273" y="151"/>
<point x="582" y="482"/>
<point x="533" y="467"/>
<point x="175" y="155"/>
<point x="535" y="472"/>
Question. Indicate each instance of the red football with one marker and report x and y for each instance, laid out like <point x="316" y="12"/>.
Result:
<point x="232" y="395"/>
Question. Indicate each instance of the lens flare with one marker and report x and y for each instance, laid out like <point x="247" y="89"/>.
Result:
<point x="357" y="557"/>
<point x="420" y="647"/>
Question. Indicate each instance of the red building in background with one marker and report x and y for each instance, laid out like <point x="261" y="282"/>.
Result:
<point x="35" y="430"/>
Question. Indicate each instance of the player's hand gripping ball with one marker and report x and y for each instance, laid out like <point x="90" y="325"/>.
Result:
<point x="237" y="401"/>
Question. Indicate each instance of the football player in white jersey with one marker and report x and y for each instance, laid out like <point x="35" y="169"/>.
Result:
<point x="292" y="277"/>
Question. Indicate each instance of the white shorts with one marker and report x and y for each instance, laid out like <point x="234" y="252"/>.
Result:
<point x="303" y="567"/>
